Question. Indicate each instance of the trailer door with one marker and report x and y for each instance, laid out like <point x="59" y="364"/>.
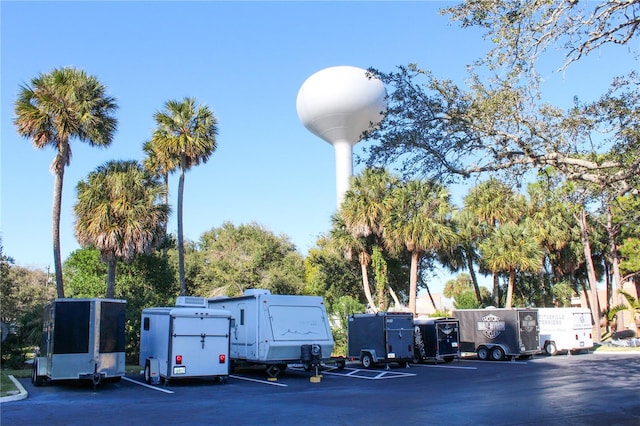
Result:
<point x="447" y="335"/>
<point x="529" y="331"/>
<point x="399" y="337"/>
<point x="197" y="343"/>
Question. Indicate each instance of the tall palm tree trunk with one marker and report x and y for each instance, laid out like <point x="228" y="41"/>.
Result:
<point x="496" y="289"/>
<point x="183" y="285"/>
<point x="365" y="282"/>
<point x="111" y="277"/>
<point x="474" y="278"/>
<point x="510" y="287"/>
<point x="413" y="281"/>
<point x="57" y="202"/>
<point x="612" y="231"/>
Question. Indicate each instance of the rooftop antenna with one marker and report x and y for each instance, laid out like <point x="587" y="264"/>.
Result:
<point x="338" y="104"/>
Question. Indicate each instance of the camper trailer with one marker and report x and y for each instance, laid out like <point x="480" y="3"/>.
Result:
<point x="436" y="339"/>
<point x="82" y="339"/>
<point x="277" y="330"/>
<point x="499" y="333"/>
<point x="178" y="343"/>
<point x="567" y="330"/>
<point x="383" y="337"/>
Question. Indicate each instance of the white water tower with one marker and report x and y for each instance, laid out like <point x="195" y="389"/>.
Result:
<point x="338" y="104"/>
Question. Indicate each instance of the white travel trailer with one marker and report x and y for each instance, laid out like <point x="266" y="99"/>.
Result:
<point x="565" y="330"/>
<point x="276" y="330"/>
<point x="184" y="343"/>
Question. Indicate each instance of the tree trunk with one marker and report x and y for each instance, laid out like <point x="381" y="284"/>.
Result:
<point x="474" y="279"/>
<point x="165" y="225"/>
<point x="413" y="282"/>
<point x="57" y="202"/>
<point x="591" y="274"/>
<point x="496" y="289"/>
<point x="183" y="284"/>
<point x="365" y="282"/>
<point x="510" y="286"/>
<point x="111" y="277"/>
<point x="612" y="231"/>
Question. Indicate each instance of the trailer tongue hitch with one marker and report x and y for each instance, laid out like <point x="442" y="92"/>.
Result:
<point x="202" y="339"/>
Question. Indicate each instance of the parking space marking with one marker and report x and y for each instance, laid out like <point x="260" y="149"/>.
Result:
<point x="444" y="366"/>
<point x="367" y="374"/>
<point x="266" y="382"/>
<point x="147" y="386"/>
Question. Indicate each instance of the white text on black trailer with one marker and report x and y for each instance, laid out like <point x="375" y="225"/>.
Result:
<point x="82" y="339"/>
<point x="436" y="339"/>
<point x="184" y="342"/>
<point x="499" y="333"/>
<point x="276" y="330"/>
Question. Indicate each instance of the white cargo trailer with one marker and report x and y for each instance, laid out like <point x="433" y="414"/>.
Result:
<point x="82" y="339"/>
<point x="182" y="342"/>
<point x="277" y="330"/>
<point x="567" y="330"/>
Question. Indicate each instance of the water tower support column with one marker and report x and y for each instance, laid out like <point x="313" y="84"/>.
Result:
<point x="344" y="168"/>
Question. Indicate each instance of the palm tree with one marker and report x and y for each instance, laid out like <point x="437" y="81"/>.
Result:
<point x="362" y="212"/>
<point x="186" y="132"/>
<point x="55" y="108"/>
<point x="511" y="249"/>
<point x="417" y="220"/>
<point x="493" y="203"/>
<point x="120" y="212"/>
<point x="632" y="306"/>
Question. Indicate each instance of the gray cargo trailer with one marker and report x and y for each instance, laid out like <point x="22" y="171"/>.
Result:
<point x="499" y="333"/>
<point x="82" y="339"/>
<point x="383" y="337"/>
<point x="178" y="343"/>
<point x="436" y="339"/>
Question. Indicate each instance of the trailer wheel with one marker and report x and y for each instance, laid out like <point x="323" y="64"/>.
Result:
<point x="367" y="360"/>
<point x="483" y="353"/>
<point x="341" y="364"/>
<point x="448" y="359"/>
<point x="147" y="373"/>
<point x="497" y="354"/>
<point x="35" y="379"/>
<point x="550" y="348"/>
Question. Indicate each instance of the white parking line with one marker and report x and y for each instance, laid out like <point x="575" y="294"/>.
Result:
<point x="366" y="374"/>
<point x="444" y="366"/>
<point x="258" y="381"/>
<point x="147" y="386"/>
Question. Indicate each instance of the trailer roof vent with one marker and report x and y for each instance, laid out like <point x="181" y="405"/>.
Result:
<point x="191" y="301"/>
<point x="256" y="291"/>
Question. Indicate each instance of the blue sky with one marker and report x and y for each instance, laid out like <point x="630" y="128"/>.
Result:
<point x="246" y="61"/>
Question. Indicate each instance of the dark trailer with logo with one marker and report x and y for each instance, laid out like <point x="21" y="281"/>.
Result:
<point x="436" y="339"/>
<point x="499" y="333"/>
<point x="384" y="337"/>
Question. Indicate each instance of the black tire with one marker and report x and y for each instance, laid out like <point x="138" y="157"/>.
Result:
<point x="367" y="360"/>
<point x="35" y="379"/>
<point x="341" y="365"/>
<point x="550" y="348"/>
<point x="497" y="354"/>
<point x="483" y="353"/>
<point x="416" y="359"/>
<point x="448" y="359"/>
<point x="147" y="373"/>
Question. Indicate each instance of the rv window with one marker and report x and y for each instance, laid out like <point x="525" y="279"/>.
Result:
<point x="233" y="322"/>
<point x="146" y="323"/>
<point x="241" y="316"/>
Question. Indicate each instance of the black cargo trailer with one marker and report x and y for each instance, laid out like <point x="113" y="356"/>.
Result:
<point x="82" y="339"/>
<point x="384" y="337"/>
<point x="436" y="339"/>
<point x="499" y="333"/>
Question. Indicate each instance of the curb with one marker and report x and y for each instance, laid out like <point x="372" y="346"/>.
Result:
<point x="17" y="397"/>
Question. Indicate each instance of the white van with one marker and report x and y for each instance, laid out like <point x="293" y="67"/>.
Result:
<point x="567" y="330"/>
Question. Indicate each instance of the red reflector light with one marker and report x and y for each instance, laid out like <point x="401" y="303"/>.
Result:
<point x="222" y="358"/>
<point x="178" y="359"/>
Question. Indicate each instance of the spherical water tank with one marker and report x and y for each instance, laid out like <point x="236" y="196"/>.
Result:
<point x="340" y="103"/>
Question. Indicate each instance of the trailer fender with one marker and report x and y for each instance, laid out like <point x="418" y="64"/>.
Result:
<point x="39" y="371"/>
<point x="152" y="371"/>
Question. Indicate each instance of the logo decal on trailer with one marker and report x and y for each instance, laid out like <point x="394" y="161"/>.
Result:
<point x="491" y="326"/>
<point x="529" y="323"/>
